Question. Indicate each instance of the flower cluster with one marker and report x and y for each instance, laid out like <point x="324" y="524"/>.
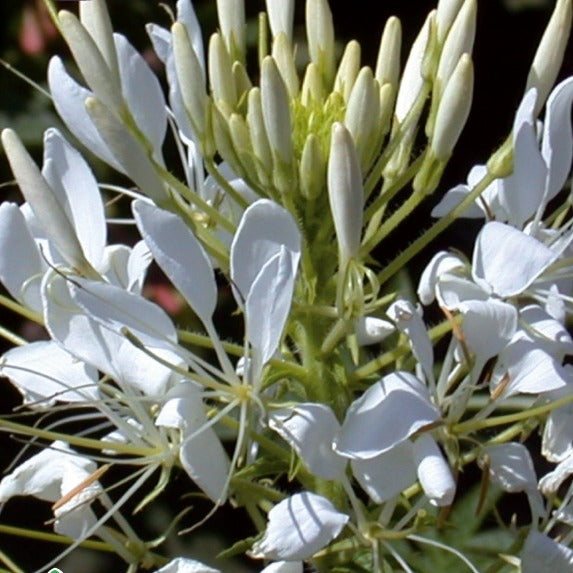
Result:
<point x="337" y="421"/>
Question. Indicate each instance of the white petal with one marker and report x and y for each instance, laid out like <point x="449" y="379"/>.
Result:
<point x="507" y="259"/>
<point x="299" y="526"/>
<point x="310" y="430"/>
<point x="20" y="259"/>
<point x="116" y="309"/>
<point x="488" y="326"/>
<point x="45" y="373"/>
<point x="268" y="305"/>
<point x="408" y="320"/>
<point x="388" y="474"/>
<point x="557" y="442"/>
<point x="557" y="144"/>
<point x="434" y="472"/>
<point x="201" y="453"/>
<point x="143" y="94"/>
<point x="186" y="565"/>
<point x="540" y="553"/>
<point x="69" y="99"/>
<point x="372" y="330"/>
<point x="551" y="482"/>
<point x="77" y="190"/>
<point x="180" y="255"/>
<point x="264" y="228"/>
<point x="441" y="263"/>
<point x="386" y="414"/>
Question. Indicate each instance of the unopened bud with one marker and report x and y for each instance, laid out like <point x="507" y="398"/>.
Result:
<point x="232" y="22"/>
<point x="284" y="58"/>
<point x="549" y="55"/>
<point x="312" y="169"/>
<point x="320" y="34"/>
<point x="345" y="192"/>
<point x="388" y="62"/>
<point x="281" y="17"/>
<point x="312" y="86"/>
<point x="348" y="69"/>
<point x="258" y="133"/>
<point x="445" y="15"/>
<point x="453" y="108"/>
<point x="221" y="73"/>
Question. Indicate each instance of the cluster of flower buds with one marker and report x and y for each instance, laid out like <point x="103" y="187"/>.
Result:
<point x="288" y="171"/>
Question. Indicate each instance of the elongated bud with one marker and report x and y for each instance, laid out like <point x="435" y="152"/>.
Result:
<point x="445" y="14"/>
<point x="259" y="136"/>
<point x="412" y="80"/>
<point x="460" y="40"/>
<point x="362" y="110"/>
<point x="91" y="63"/>
<point x="95" y="18"/>
<point x="320" y="34"/>
<point x="221" y="73"/>
<point x="549" y="55"/>
<point x="191" y="79"/>
<point x="388" y="62"/>
<point x="348" y="69"/>
<point x="276" y="112"/>
<point x="345" y="192"/>
<point x="44" y="203"/>
<point x="127" y="151"/>
<point x="283" y="55"/>
<point x="281" y="17"/>
<point x="453" y="109"/>
<point x="241" y="139"/>
<point x="313" y="89"/>
<point x="312" y="168"/>
<point x="232" y="22"/>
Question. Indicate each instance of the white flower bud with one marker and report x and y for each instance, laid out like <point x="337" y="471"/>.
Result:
<point x="221" y="73"/>
<point x="362" y="109"/>
<point x="95" y="18"/>
<point x="446" y="13"/>
<point x="345" y="192"/>
<point x="281" y="17"/>
<point x="453" y="109"/>
<point x="283" y="55"/>
<point x="91" y="63"/>
<point x="259" y="138"/>
<point x="312" y="86"/>
<point x="388" y="62"/>
<point x="45" y="203"/>
<point x="549" y="55"/>
<point x="320" y="34"/>
<point x="312" y="168"/>
<point x="276" y="112"/>
<point x="460" y="40"/>
<point x="232" y="22"/>
<point x="191" y="79"/>
<point x="412" y="81"/>
<point x="348" y="69"/>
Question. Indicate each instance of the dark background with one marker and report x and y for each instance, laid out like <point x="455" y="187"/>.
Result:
<point x="507" y="37"/>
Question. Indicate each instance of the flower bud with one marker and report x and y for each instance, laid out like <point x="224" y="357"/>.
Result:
<point x="45" y="204"/>
<point x="283" y="56"/>
<point x="388" y="62"/>
<point x="242" y="143"/>
<point x="233" y="29"/>
<point x="320" y="34"/>
<point x="312" y="86"/>
<point x="549" y="55"/>
<point x="259" y="138"/>
<point x="445" y="15"/>
<point x="345" y="192"/>
<point x="221" y="74"/>
<point x="95" y="18"/>
<point x="361" y="112"/>
<point x="453" y="109"/>
<point x="348" y="69"/>
<point x="191" y="79"/>
<point x="276" y="112"/>
<point x="281" y="17"/>
<point x="312" y="168"/>
<point x="91" y="63"/>
<point x="460" y="40"/>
